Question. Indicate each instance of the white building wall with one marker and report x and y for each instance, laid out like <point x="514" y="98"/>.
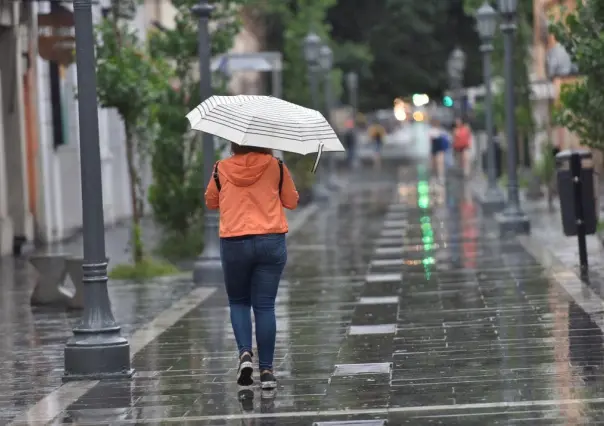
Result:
<point x="60" y="206"/>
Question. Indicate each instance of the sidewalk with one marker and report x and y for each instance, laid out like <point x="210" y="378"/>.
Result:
<point x="33" y="338"/>
<point x="396" y="306"/>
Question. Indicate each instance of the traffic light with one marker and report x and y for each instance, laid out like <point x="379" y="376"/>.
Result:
<point x="448" y="101"/>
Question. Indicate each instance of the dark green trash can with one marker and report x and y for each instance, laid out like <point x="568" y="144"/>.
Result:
<point x="566" y="191"/>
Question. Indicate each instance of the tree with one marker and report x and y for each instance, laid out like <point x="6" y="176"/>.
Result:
<point x="581" y="102"/>
<point x="176" y="195"/>
<point x="288" y="24"/>
<point x="408" y="42"/>
<point x="134" y="84"/>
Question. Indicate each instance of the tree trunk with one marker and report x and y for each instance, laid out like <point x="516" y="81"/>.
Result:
<point x="137" y="246"/>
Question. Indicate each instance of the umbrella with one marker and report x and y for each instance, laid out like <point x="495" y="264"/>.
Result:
<point x="266" y="122"/>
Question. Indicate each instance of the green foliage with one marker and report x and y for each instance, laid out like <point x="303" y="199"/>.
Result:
<point x="134" y="84"/>
<point x="176" y="195"/>
<point x="294" y="20"/>
<point x="176" y="246"/>
<point x="581" y="102"/>
<point x="145" y="269"/>
<point x="545" y="168"/>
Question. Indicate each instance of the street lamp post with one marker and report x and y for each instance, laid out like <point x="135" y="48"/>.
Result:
<point x="207" y="268"/>
<point x="456" y="66"/>
<point x="512" y="219"/>
<point x="312" y="54"/>
<point x="352" y="83"/>
<point x="97" y="349"/>
<point x="486" y="23"/>
<point x="326" y="63"/>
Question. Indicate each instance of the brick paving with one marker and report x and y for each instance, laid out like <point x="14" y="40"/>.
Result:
<point x="399" y="305"/>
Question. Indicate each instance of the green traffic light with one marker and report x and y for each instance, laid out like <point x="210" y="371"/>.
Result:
<point x="448" y="101"/>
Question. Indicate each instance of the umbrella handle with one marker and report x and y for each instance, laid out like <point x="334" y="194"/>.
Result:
<point x="319" y="152"/>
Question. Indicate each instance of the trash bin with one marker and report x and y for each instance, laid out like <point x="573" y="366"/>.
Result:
<point x="566" y="191"/>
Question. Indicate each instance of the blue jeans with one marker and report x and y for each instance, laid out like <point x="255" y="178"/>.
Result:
<point x="252" y="267"/>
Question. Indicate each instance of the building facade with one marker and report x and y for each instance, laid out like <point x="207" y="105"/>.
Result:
<point x="58" y="211"/>
<point x="17" y="139"/>
<point x="54" y="178"/>
<point x="553" y="67"/>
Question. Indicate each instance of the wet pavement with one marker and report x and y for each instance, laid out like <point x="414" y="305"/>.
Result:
<point x="400" y="304"/>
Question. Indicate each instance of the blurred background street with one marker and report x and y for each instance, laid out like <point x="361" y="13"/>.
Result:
<point x="445" y="269"/>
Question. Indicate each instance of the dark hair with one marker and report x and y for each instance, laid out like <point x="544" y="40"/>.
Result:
<point x="246" y="149"/>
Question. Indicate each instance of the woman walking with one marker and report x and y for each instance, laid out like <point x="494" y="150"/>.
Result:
<point x="461" y="145"/>
<point x="250" y="189"/>
<point x="439" y="144"/>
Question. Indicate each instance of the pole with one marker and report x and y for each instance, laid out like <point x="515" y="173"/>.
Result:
<point x="513" y="219"/>
<point x="493" y="198"/>
<point x="353" y="98"/>
<point x="331" y="160"/>
<point x="207" y="268"/>
<point x="575" y="169"/>
<point x="97" y="349"/>
<point x="320" y="192"/>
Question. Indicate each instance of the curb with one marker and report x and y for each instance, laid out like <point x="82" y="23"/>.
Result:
<point x="586" y="298"/>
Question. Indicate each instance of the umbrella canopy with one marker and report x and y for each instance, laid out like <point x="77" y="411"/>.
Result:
<point x="266" y="122"/>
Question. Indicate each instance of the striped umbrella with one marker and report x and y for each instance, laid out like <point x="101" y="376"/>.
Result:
<point x="266" y="122"/>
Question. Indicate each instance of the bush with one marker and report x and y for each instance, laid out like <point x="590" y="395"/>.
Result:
<point x="177" y="246"/>
<point x="145" y="269"/>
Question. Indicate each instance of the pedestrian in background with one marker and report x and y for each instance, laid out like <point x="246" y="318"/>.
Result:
<point x="250" y="189"/>
<point x="439" y="143"/>
<point x="350" y="143"/>
<point x="377" y="133"/>
<point x="462" y="137"/>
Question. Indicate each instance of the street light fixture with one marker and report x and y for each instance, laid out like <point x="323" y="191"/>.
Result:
<point x="512" y="219"/>
<point x="312" y="49"/>
<point x="326" y="58"/>
<point x="97" y="349"/>
<point x="207" y="268"/>
<point x="508" y="9"/>
<point x="312" y="55"/>
<point x="486" y="24"/>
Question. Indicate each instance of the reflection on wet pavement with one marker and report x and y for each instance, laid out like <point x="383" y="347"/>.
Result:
<point x="450" y="326"/>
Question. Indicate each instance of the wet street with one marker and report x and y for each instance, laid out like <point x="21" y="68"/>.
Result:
<point x="400" y="305"/>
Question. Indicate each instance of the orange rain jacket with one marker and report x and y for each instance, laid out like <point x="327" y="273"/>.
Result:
<point x="249" y="200"/>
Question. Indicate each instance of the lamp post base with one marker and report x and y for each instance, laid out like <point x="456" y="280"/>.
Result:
<point x="208" y="271"/>
<point x="97" y="356"/>
<point x="513" y="223"/>
<point x="492" y="201"/>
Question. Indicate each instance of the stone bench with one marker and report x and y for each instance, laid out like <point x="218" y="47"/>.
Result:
<point x="50" y="287"/>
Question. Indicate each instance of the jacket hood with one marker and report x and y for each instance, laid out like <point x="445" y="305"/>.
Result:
<point x="245" y="169"/>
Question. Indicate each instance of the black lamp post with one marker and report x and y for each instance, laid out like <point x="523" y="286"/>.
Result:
<point x="326" y="63"/>
<point x="486" y="24"/>
<point x="97" y="349"/>
<point x="456" y="66"/>
<point x="512" y="219"/>
<point x="207" y="268"/>
<point x="312" y="55"/>
<point x="352" y="83"/>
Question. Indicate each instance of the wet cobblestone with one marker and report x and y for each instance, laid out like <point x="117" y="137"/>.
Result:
<point x="449" y="326"/>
